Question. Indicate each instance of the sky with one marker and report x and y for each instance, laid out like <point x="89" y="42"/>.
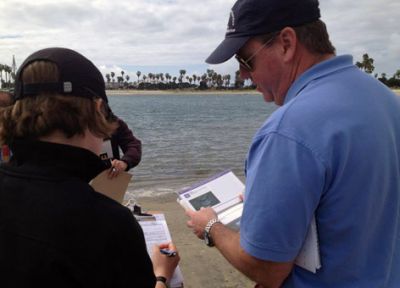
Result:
<point x="165" y="36"/>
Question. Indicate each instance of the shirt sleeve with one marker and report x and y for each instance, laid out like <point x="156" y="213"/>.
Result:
<point x="285" y="180"/>
<point x="130" y="145"/>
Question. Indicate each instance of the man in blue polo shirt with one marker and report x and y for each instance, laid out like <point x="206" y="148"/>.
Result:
<point x="332" y="150"/>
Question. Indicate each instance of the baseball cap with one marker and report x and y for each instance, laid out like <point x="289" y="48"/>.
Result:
<point x="78" y="76"/>
<point x="249" y="18"/>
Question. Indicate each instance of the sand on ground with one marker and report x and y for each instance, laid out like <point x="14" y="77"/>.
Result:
<point x="201" y="266"/>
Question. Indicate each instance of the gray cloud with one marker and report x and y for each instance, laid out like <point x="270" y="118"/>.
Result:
<point x="177" y="32"/>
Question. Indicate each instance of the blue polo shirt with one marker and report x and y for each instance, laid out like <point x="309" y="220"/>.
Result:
<point x="333" y="150"/>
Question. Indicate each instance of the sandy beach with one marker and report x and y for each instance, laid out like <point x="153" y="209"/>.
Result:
<point x="202" y="267"/>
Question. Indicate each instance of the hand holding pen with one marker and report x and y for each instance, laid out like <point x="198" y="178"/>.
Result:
<point x="165" y="258"/>
<point x="169" y="253"/>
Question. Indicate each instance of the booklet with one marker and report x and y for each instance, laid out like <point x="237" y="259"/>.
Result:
<point x="156" y="231"/>
<point x="221" y="192"/>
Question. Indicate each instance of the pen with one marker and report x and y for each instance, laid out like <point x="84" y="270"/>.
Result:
<point x="167" y="252"/>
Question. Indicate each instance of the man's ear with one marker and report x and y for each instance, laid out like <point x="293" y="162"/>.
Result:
<point x="288" y="40"/>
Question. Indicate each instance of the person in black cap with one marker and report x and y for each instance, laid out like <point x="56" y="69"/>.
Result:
<point x="328" y="158"/>
<point x="55" y="229"/>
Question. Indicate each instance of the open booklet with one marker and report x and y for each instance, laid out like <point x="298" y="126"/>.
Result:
<point x="156" y="231"/>
<point x="222" y="192"/>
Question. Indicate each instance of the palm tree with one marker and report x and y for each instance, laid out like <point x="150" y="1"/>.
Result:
<point x="167" y="76"/>
<point x="112" y="76"/>
<point x="8" y="71"/>
<point x="367" y="64"/>
<point x="397" y="74"/>
<point x="138" y="73"/>
<point x="227" y="79"/>
<point x="122" y="74"/>
<point x="151" y="77"/>
<point x="108" y="78"/>
<point x="1" y="74"/>
<point x="127" y="78"/>
<point x="182" y="73"/>
<point x="238" y="80"/>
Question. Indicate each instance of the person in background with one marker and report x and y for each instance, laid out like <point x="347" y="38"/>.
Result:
<point x="331" y="150"/>
<point x="122" y="138"/>
<point x="55" y="229"/>
<point x="5" y="100"/>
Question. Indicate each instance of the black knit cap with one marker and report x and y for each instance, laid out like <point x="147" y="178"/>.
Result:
<point x="78" y="76"/>
<point x="250" y="18"/>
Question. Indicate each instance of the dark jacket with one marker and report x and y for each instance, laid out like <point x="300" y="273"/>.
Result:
<point x="56" y="231"/>
<point x="129" y="144"/>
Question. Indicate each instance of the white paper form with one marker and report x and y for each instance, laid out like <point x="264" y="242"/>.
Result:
<point x="156" y="232"/>
<point x="309" y="257"/>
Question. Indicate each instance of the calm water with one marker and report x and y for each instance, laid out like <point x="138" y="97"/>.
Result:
<point x="186" y="138"/>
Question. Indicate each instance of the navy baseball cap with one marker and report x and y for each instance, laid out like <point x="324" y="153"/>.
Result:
<point x="78" y="76"/>
<point x="250" y="18"/>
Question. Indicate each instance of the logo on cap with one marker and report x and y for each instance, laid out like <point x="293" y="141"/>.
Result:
<point x="67" y="87"/>
<point x="231" y="23"/>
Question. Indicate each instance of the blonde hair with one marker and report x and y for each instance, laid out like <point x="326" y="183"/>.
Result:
<point x="37" y="116"/>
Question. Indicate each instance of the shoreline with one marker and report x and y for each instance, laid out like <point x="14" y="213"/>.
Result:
<point x="124" y="92"/>
<point x="180" y="92"/>
<point x="201" y="266"/>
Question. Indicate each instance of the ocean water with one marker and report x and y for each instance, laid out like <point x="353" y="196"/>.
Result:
<point x="186" y="138"/>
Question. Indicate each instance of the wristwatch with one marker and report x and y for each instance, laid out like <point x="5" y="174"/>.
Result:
<point x="207" y="236"/>
<point x="163" y="280"/>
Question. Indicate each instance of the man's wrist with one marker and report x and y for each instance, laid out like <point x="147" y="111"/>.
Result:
<point x="207" y="232"/>
<point x="162" y="280"/>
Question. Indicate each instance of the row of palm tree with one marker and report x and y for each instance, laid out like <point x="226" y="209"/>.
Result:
<point x="208" y="79"/>
<point x="211" y="79"/>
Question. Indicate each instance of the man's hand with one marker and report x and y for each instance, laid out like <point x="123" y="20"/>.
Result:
<point x="199" y="219"/>
<point x="116" y="167"/>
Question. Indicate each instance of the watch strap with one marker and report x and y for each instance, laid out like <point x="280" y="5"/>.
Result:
<point x="207" y="236"/>
<point x="163" y="280"/>
<point x="210" y="223"/>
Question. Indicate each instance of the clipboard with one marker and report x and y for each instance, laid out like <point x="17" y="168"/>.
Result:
<point x="155" y="230"/>
<point x="114" y="188"/>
